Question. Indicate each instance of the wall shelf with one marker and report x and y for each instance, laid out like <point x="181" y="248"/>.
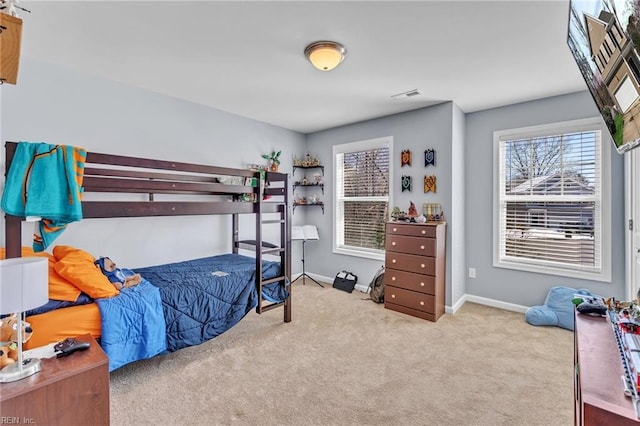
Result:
<point x="305" y="184"/>
<point x="308" y="205"/>
<point x="309" y="167"/>
<point x="318" y="185"/>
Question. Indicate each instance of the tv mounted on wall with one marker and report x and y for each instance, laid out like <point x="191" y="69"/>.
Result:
<point x="604" y="38"/>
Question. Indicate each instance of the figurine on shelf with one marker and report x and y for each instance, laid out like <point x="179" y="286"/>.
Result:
<point x="316" y="161"/>
<point x="308" y="162"/>
<point x="304" y="181"/>
<point x="412" y="212"/>
<point x="317" y="177"/>
<point x="395" y="213"/>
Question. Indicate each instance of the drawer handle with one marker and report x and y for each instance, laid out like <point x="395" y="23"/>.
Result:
<point x="393" y="278"/>
<point x="424" y="232"/>
<point x="422" y="265"/>
<point x="393" y="243"/>
<point x="393" y="296"/>
<point x="393" y="261"/>
<point x="421" y="284"/>
<point x="395" y="229"/>
<point x="421" y="303"/>
<point x="421" y="247"/>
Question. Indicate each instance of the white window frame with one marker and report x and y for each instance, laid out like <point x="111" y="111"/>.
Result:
<point x="602" y="222"/>
<point x="338" y="222"/>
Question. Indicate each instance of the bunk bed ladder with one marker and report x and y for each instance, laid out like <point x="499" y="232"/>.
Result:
<point x="279" y="192"/>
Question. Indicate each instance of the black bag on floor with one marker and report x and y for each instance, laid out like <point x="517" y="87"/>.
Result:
<point x="345" y="281"/>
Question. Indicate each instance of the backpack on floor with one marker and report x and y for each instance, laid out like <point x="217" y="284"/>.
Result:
<point x="376" y="286"/>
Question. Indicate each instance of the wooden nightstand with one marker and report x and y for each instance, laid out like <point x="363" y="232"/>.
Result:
<point x="73" y="390"/>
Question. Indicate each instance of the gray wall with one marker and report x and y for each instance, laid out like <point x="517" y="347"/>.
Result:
<point x="414" y="130"/>
<point x="60" y="106"/>
<point x="525" y="288"/>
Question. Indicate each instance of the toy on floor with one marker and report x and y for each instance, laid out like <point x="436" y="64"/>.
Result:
<point x="119" y="277"/>
<point x="9" y="339"/>
<point x="558" y="308"/>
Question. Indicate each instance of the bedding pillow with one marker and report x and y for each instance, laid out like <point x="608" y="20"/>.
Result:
<point x="77" y="266"/>
<point x="59" y="288"/>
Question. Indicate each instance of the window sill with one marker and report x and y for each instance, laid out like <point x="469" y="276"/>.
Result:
<point x="374" y="255"/>
<point x="603" y="276"/>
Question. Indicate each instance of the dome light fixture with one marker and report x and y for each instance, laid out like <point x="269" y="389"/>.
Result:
<point x="325" y="55"/>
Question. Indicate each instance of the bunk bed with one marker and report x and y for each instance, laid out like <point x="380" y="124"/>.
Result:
<point x="228" y="286"/>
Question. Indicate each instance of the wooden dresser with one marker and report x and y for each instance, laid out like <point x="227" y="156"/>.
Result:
<point x="599" y="392"/>
<point x="414" y="276"/>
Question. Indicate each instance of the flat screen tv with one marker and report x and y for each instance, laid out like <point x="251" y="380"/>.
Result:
<point x="604" y="38"/>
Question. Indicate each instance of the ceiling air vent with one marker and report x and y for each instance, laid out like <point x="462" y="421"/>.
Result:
<point x="409" y="94"/>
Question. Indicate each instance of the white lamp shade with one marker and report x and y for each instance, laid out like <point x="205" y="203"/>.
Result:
<point x="24" y="284"/>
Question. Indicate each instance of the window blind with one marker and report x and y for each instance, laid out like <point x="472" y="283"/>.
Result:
<point x="362" y="198"/>
<point x="550" y="200"/>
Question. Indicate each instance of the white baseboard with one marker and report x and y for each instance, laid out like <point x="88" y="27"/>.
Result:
<point x="448" y="309"/>
<point x="362" y="288"/>
<point x="487" y="302"/>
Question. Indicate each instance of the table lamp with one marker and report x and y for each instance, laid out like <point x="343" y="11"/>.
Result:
<point x="24" y="285"/>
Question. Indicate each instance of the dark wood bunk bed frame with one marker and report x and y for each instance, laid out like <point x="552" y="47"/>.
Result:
<point x="105" y="173"/>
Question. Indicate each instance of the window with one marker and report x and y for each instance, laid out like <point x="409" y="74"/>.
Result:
<point x="362" y="195"/>
<point x="550" y="202"/>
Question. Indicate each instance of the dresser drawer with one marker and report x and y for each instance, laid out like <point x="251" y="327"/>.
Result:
<point x="412" y="245"/>
<point x="410" y="263"/>
<point x="410" y="281"/>
<point x="410" y="299"/>
<point x="415" y="229"/>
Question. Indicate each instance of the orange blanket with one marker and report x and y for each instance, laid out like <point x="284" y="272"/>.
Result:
<point x="53" y="326"/>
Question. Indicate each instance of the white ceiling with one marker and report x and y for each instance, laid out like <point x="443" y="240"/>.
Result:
<point x="247" y="57"/>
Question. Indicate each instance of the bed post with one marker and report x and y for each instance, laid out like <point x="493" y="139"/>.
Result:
<point x="12" y="235"/>
<point x="12" y="224"/>
<point x="234" y="232"/>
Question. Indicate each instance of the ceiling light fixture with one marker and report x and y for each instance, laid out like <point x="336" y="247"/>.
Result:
<point x="325" y="55"/>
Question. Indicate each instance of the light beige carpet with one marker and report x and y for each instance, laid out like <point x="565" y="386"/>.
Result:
<point x="348" y="361"/>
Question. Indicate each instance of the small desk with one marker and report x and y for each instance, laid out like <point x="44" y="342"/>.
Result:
<point x="599" y="397"/>
<point x="72" y="390"/>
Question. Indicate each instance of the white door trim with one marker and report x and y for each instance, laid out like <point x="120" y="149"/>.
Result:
<point x="632" y="216"/>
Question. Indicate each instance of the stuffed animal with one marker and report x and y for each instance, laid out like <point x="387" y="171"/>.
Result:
<point x="9" y="338"/>
<point x="4" y="357"/>
<point x="119" y="277"/>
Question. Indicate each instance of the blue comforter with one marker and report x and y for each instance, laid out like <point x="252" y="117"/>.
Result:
<point x="203" y="298"/>
<point x="133" y="325"/>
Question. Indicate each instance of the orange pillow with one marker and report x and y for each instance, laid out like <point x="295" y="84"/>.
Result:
<point x="77" y="266"/>
<point x="59" y="288"/>
<point x="27" y="252"/>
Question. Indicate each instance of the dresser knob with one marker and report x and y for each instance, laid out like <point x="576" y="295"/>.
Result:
<point x="395" y="229"/>
<point x="421" y="247"/>
<point x="393" y="296"/>
<point x="393" y="261"/>
<point x="422" y="265"/>
<point x="393" y="243"/>
<point x="393" y="278"/>
<point x="421" y="284"/>
<point x="424" y="232"/>
<point x="421" y="303"/>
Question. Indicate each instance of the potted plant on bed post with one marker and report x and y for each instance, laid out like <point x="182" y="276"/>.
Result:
<point x="274" y="159"/>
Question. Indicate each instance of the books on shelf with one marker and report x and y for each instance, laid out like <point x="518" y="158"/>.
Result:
<point x="304" y="232"/>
